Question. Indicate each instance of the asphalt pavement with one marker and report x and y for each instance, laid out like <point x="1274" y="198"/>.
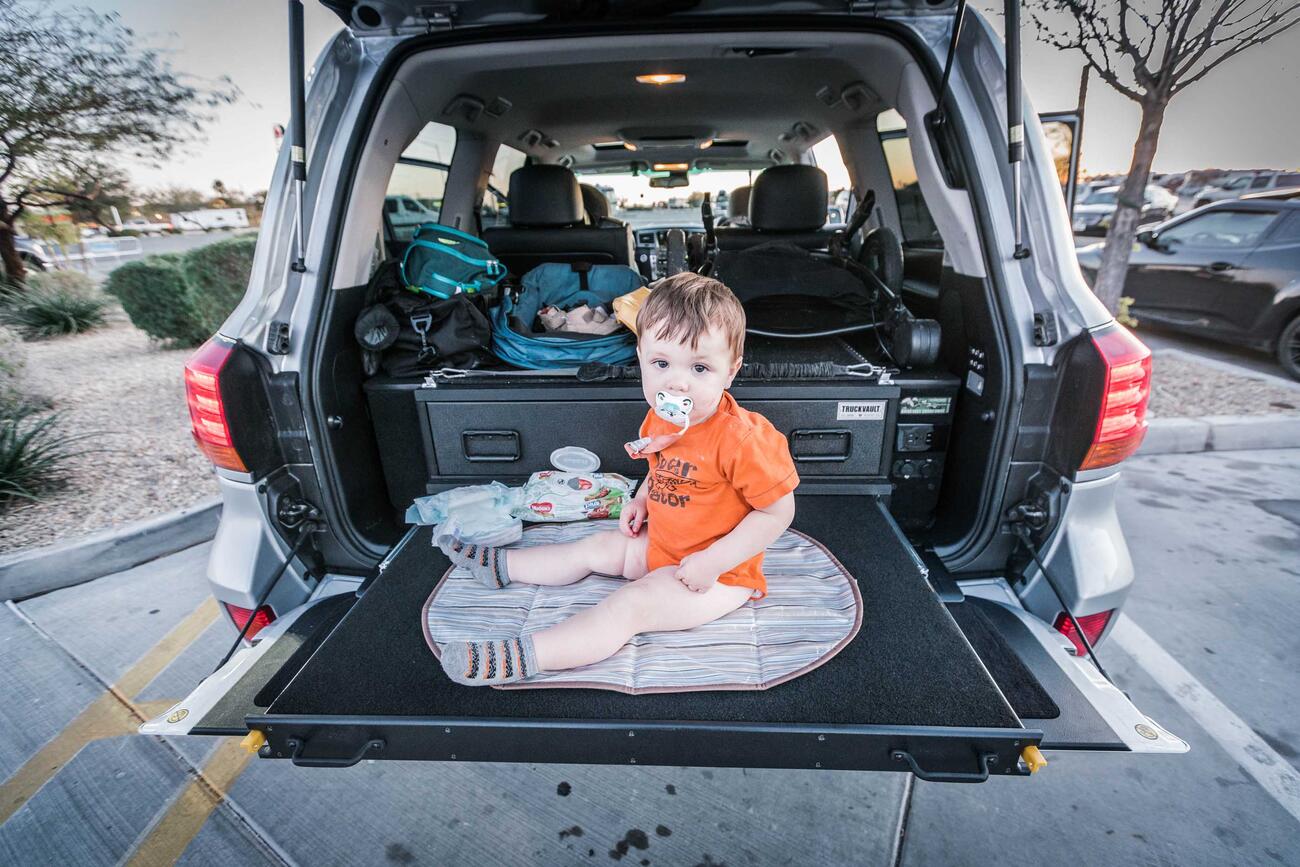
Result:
<point x="1214" y="536"/>
<point x="101" y="260"/>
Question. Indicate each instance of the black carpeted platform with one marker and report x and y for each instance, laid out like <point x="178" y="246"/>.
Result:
<point x="1021" y="688"/>
<point x="909" y="665"/>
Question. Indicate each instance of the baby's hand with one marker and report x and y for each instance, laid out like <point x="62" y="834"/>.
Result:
<point x="633" y="516"/>
<point x="696" y="572"/>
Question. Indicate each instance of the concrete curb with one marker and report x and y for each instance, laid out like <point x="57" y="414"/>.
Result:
<point x="39" y="570"/>
<point x="1221" y="433"/>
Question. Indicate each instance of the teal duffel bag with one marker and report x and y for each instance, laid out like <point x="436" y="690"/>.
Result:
<point x="443" y="262"/>
<point x="563" y="286"/>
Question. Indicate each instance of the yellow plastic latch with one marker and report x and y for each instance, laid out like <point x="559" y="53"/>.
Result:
<point x="254" y="740"/>
<point x="1030" y="755"/>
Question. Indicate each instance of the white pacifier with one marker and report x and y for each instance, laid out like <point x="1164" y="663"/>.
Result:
<point x="672" y="408"/>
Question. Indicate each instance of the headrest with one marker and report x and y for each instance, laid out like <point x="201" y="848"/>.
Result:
<point x="787" y="199"/>
<point x="594" y="203"/>
<point x="544" y="195"/>
<point x="738" y="203"/>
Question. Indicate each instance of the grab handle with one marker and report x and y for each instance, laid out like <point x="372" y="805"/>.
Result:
<point x="979" y="776"/>
<point x="297" y="745"/>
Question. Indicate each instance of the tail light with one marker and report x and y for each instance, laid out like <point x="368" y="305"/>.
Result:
<point x="207" y="412"/>
<point x="1093" y="626"/>
<point x="261" y="618"/>
<point x="1122" y="423"/>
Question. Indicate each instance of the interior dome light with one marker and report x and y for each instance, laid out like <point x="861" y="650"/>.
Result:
<point x="661" y="78"/>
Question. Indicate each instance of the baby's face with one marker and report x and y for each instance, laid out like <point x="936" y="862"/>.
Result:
<point x="700" y="374"/>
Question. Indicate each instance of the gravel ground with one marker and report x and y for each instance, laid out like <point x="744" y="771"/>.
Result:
<point x="1184" y="388"/>
<point x="139" y="459"/>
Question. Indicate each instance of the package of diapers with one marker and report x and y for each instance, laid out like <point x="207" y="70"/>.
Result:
<point x="552" y="495"/>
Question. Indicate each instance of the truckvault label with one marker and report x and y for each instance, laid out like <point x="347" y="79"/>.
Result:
<point x="862" y="410"/>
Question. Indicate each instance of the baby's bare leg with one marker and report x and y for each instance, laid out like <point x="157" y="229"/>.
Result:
<point x="565" y="562"/>
<point x="656" y="603"/>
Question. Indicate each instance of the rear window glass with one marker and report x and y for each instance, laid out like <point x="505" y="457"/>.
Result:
<point x="827" y="157"/>
<point x="494" y="211"/>
<point x="1220" y="229"/>
<point x="918" y="226"/>
<point x="1288" y="232"/>
<point x="418" y="182"/>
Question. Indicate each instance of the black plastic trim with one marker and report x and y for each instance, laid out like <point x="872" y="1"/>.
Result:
<point x="636" y="742"/>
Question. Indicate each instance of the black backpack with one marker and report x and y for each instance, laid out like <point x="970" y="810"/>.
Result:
<point x="406" y="332"/>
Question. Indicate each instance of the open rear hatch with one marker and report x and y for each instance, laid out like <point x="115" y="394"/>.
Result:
<point x="950" y="691"/>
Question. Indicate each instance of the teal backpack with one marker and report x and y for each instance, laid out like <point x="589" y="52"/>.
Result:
<point x="443" y="262"/>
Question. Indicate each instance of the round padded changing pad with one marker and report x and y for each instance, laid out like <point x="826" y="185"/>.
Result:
<point x="812" y="610"/>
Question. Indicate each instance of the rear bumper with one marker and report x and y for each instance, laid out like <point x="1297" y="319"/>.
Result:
<point x="246" y="552"/>
<point x="1088" y="556"/>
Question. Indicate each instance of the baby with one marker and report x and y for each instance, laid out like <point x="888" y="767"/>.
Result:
<point x="719" y="491"/>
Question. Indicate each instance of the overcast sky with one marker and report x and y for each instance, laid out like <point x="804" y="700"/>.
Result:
<point x="1246" y="114"/>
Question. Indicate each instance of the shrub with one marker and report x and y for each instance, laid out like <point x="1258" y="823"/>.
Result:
<point x="218" y="274"/>
<point x="183" y="299"/>
<point x="73" y="281"/>
<point x="53" y="303"/>
<point x="155" y="295"/>
<point x="12" y="364"/>
<point x="32" y="451"/>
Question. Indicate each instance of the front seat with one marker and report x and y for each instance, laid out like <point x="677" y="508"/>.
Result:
<point x="737" y="208"/>
<point x="786" y="203"/>
<point x="596" y="207"/>
<point x="546" y="224"/>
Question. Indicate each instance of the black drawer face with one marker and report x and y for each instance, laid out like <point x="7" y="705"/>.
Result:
<point x="516" y="438"/>
<point x="510" y="438"/>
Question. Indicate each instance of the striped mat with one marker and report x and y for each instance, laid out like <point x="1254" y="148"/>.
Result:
<point x="812" y="610"/>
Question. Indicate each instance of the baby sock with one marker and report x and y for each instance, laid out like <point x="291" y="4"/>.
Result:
<point x="485" y="563"/>
<point x="483" y="663"/>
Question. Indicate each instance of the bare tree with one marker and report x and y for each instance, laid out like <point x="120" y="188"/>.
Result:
<point x="77" y="92"/>
<point x="1151" y="51"/>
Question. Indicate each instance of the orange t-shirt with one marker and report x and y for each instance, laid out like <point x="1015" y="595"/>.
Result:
<point x="703" y="485"/>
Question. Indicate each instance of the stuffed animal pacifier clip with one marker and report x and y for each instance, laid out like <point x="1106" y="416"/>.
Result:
<point x="671" y="408"/>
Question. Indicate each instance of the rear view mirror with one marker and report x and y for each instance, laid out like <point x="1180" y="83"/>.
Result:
<point x="672" y="179"/>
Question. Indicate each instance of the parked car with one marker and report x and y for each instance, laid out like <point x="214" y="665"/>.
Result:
<point x="145" y="226"/>
<point x="404" y="213"/>
<point x="1229" y="271"/>
<point x="1092" y="215"/>
<point x="33" y="253"/>
<point x="1260" y="182"/>
<point x="983" y="437"/>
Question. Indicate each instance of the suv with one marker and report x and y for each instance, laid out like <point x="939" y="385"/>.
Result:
<point x="1260" y="182"/>
<point x="979" y="434"/>
<point x="33" y="253"/>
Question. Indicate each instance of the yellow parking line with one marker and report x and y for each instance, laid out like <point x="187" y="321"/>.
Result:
<point x="172" y="834"/>
<point x="112" y="714"/>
